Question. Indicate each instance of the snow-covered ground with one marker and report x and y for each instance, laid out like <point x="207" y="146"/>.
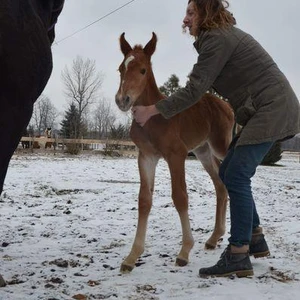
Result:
<point x="67" y="222"/>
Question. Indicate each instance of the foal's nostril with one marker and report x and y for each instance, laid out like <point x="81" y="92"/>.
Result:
<point x="127" y="100"/>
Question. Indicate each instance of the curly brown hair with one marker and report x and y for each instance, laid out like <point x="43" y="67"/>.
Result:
<point x="213" y="14"/>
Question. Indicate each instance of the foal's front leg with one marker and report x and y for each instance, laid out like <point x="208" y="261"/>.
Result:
<point x="147" y="165"/>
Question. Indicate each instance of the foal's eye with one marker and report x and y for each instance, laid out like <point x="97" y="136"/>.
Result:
<point x="143" y="71"/>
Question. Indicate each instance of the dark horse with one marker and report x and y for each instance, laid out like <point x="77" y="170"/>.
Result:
<point x="27" y="32"/>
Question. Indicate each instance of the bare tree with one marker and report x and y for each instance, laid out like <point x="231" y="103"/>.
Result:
<point x="82" y="83"/>
<point x="44" y="114"/>
<point x="104" y="118"/>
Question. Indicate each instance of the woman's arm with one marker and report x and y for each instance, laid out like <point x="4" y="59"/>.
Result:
<point x="214" y="51"/>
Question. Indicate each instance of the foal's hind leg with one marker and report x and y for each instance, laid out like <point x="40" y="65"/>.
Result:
<point x="180" y="199"/>
<point x="147" y="165"/>
<point x="211" y="165"/>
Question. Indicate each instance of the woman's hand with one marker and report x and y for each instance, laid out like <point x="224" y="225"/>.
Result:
<point x="142" y="114"/>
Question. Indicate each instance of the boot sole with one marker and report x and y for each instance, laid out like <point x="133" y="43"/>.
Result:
<point x="260" y="254"/>
<point x="239" y="274"/>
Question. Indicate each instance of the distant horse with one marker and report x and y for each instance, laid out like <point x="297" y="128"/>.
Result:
<point x="25" y="144"/>
<point x="27" y="32"/>
<point x="205" y="129"/>
<point x="48" y="134"/>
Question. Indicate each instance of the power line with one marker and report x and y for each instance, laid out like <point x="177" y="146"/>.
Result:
<point x="85" y="27"/>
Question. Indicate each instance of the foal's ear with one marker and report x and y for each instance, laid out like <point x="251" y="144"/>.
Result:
<point x="125" y="47"/>
<point x="151" y="45"/>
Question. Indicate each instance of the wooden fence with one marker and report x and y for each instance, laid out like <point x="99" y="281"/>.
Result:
<point x="61" y="143"/>
<point x="291" y="156"/>
<point x="120" y="146"/>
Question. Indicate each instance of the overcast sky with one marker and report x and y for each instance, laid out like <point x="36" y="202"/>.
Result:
<point x="274" y="24"/>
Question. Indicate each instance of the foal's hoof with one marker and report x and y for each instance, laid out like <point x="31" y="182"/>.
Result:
<point x="181" y="262"/>
<point x="126" y="269"/>
<point x="209" y="246"/>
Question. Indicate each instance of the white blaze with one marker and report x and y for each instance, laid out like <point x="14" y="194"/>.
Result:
<point x="128" y="60"/>
<point x="126" y="63"/>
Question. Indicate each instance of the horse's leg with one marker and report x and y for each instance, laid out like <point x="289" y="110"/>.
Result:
<point x="211" y="164"/>
<point x="147" y="166"/>
<point x="12" y="124"/>
<point x="180" y="199"/>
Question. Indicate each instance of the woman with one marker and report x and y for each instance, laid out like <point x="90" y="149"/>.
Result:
<point x="236" y="66"/>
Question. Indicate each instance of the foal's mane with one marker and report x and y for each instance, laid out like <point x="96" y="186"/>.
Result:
<point x="137" y="47"/>
<point x="139" y="50"/>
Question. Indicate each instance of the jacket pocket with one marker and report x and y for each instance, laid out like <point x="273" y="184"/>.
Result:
<point x="245" y="112"/>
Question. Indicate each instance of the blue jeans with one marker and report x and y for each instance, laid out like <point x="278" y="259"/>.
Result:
<point x="236" y="171"/>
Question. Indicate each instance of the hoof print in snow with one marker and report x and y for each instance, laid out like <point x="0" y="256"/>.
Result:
<point x="56" y="280"/>
<point x="14" y="281"/>
<point x="105" y="266"/>
<point x="93" y="282"/>
<point x="60" y="263"/>
<point x="5" y="244"/>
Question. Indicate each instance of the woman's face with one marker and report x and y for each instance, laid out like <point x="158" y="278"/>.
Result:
<point x="190" y="20"/>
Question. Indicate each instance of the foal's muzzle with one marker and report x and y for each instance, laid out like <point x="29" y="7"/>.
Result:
<point x="124" y="103"/>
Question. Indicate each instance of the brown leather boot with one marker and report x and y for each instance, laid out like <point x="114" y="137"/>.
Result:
<point x="258" y="246"/>
<point x="230" y="263"/>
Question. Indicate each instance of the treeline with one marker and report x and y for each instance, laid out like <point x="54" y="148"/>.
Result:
<point x="87" y="115"/>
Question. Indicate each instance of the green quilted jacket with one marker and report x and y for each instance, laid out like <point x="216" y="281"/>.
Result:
<point x="234" y="64"/>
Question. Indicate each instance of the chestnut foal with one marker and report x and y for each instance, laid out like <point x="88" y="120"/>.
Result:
<point x="205" y="129"/>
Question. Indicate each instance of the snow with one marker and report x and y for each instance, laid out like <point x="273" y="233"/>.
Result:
<point x="67" y="222"/>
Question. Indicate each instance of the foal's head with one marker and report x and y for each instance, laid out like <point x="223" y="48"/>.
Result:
<point x="135" y="71"/>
